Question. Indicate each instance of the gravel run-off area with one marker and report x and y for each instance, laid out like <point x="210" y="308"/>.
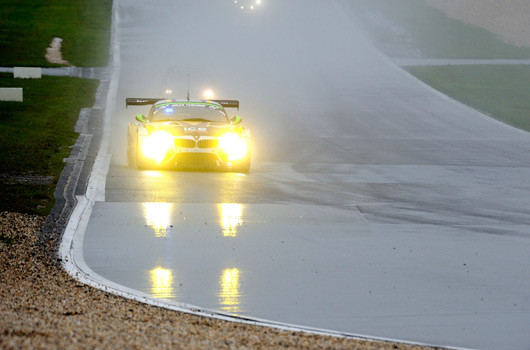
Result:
<point x="42" y="307"/>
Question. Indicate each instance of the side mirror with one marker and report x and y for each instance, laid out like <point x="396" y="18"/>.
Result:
<point x="236" y="119"/>
<point x="141" y="118"/>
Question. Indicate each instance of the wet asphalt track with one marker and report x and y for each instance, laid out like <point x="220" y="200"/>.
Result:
<point x="374" y="206"/>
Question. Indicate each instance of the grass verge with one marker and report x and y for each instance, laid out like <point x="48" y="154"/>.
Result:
<point x="36" y="135"/>
<point x="500" y="91"/>
<point x="28" y="27"/>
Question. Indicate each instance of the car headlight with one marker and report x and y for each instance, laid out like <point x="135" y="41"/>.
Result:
<point x="234" y="146"/>
<point x="157" y="145"/>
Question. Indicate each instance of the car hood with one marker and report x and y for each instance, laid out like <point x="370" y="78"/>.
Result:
<point x="195" y="129"/>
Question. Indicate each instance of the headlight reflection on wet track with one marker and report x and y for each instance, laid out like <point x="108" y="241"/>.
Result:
<point x="229" y="290"/>
<point x="231" y="217"/>
<point x="158" y="217"/>
<point x="161" y="283"/>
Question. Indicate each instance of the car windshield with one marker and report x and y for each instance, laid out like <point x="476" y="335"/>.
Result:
<point x="191" y="111"/>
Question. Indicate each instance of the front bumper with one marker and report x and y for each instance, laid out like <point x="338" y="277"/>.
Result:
<point x="189" y="153"/>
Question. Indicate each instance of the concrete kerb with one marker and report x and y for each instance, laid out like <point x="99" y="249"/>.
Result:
<point x="75" y="165"/>
<point x="65" y="200"/>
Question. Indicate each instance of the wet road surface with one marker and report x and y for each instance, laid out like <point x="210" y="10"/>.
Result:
<point x="374" y="205"/>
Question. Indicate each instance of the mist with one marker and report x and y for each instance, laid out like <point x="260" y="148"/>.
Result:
<point x="291" y="64"/>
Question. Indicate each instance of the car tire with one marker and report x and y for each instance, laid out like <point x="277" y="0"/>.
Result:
<point x="243" y="167"/>
<point x="131" y="154"/>
<point x="140" y="162"/>
<point x="134" y="159"/>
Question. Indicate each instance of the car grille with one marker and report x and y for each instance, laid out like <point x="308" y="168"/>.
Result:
<point x="196" y="160"/>
<point x="185" y="143"/>
<point x="209" y="143"/>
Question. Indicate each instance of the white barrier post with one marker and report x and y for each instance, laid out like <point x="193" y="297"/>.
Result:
<point x="27" y="72"/>
<point x="11" y="94"/>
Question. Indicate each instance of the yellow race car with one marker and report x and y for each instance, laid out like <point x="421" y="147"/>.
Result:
<point x="184" y="134"/>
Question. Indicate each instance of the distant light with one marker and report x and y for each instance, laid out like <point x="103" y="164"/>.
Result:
<point x="248" y="4"/>
<point x="169" y="91"/>
<point x="208" y="94"/>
